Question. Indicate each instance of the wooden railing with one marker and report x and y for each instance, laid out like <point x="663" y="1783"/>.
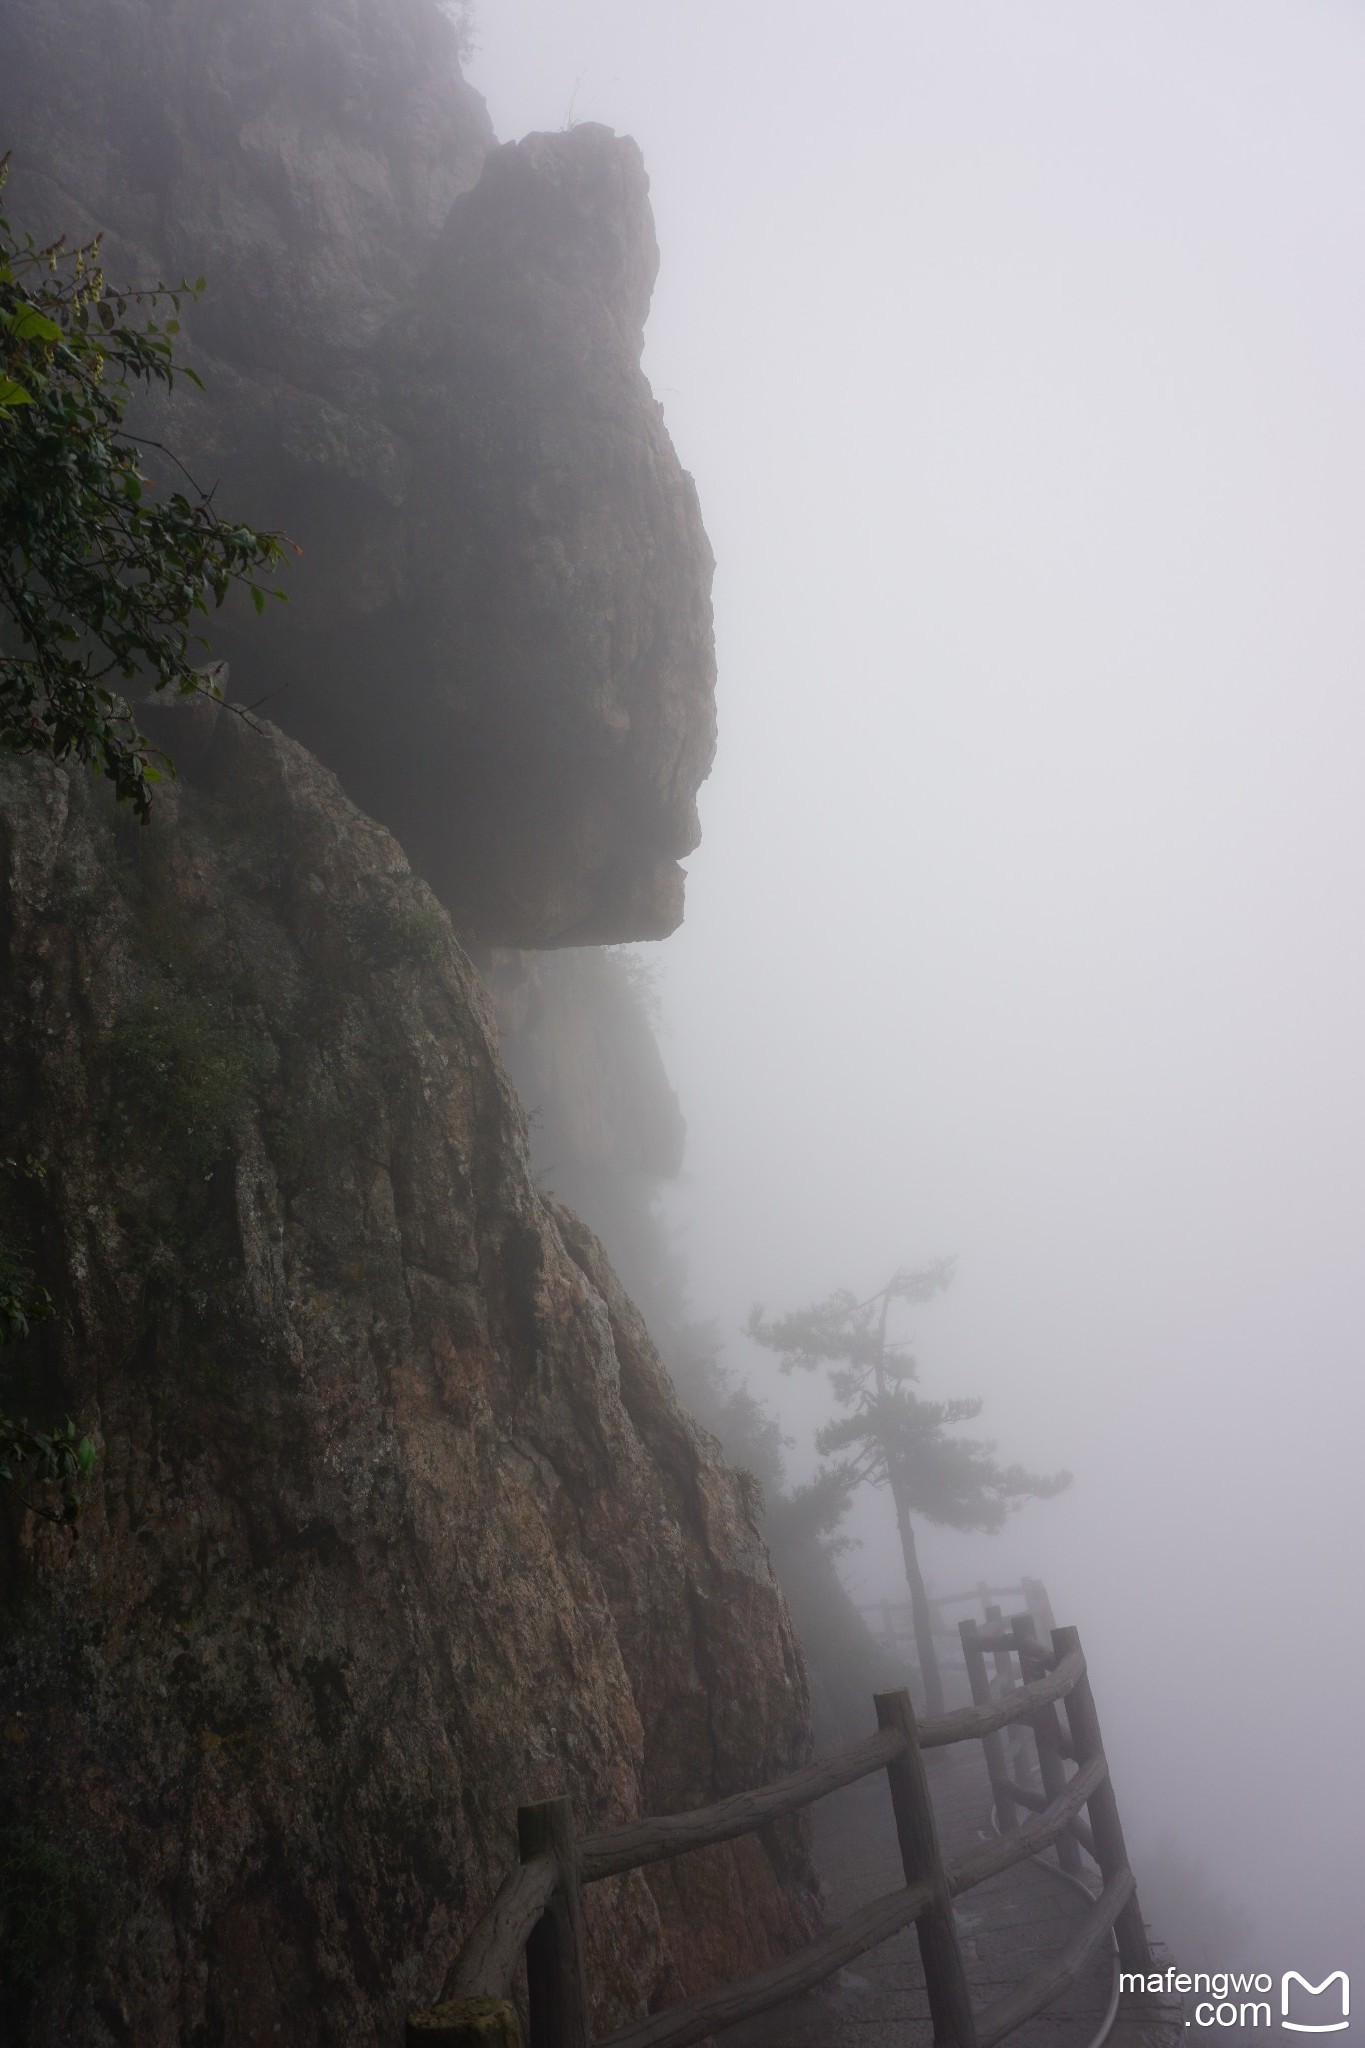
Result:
<point x="895" y="1620"/>
<point x="538" y="1911"/>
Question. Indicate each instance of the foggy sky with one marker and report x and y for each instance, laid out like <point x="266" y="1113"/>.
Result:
<point x="1017" y="351"/>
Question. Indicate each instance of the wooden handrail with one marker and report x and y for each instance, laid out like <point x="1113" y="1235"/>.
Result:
<point x="1054" y="1816"/>
<point x="650" y="1841"/>
<point x="995" y="1592"/>
<point x="945" y="1975"/>
<point x="967" y="1724"/>
<point x="545" y="1887"/>
<point x="556" y="1950"/>
<point x="766" y="1988"/>
<point x="1048" y="1741"/>
<point x="1003" y="1640"/>
<point x="1047" y="1983"/>
<point x="493" y="1948"/>
<point x="1130" y="1932"/>
<point x="1038" y="1802"/>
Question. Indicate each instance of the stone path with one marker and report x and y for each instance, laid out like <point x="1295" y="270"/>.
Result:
<point x="1007" y="1927"/>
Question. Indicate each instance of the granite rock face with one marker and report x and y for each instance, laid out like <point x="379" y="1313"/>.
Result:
<point x="422" y="354"/>
<point x="563" y="573"/>
<point x="397" y="1521"/>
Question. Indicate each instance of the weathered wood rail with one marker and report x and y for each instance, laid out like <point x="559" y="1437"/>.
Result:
<point x="894" y="1620"/>
<point x="537" y="1913"/>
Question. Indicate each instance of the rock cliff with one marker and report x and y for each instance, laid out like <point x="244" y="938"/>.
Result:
<point x="422" y="354"/>
<point x="397" y="1520"/>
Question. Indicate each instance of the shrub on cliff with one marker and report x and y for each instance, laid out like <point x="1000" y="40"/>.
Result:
<point x="103" y="577"/>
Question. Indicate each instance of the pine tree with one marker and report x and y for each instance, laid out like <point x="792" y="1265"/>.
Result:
<point x="889" y="1436"/>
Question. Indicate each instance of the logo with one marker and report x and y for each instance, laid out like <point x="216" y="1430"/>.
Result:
<point x="1221" y="2008"/>
<point x="1315" y="1991"/>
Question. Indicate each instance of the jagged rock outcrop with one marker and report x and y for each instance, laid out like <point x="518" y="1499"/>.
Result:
<point x="578" y="1040"/>
<point x="422" y="354"/>
<point x="397" y="1521"/>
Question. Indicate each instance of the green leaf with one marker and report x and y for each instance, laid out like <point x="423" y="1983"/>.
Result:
<point x="107" y="576"/>
<point x="26" y="323"/>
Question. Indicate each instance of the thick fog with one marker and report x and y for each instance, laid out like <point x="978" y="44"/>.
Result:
<point x="1017" y="353"/>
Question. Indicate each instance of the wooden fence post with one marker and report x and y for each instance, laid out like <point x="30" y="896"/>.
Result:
<point x="1039" y="1606"/>
<point x="556" y="1973"/>
<point x="1015" y="1737"/>
<point x="997" y="1759"/>
<point x="950" y="2002"/>
<point x="1110" y="1851"/>
<point x="1048" y="1736"/>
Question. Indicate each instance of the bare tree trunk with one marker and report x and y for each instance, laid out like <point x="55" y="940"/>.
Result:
<point x="920" y="1614"/>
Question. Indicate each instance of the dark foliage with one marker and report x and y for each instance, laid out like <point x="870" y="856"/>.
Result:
<point x="889" y="1436"/>
<point x="104" y="574"/>
<point x="59" y="1457"/>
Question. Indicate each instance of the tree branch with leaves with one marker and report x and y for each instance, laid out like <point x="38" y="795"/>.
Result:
<point x="889" y="1436"/>
<point x="105" y="575"/>
<point x="106" y="578"/>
